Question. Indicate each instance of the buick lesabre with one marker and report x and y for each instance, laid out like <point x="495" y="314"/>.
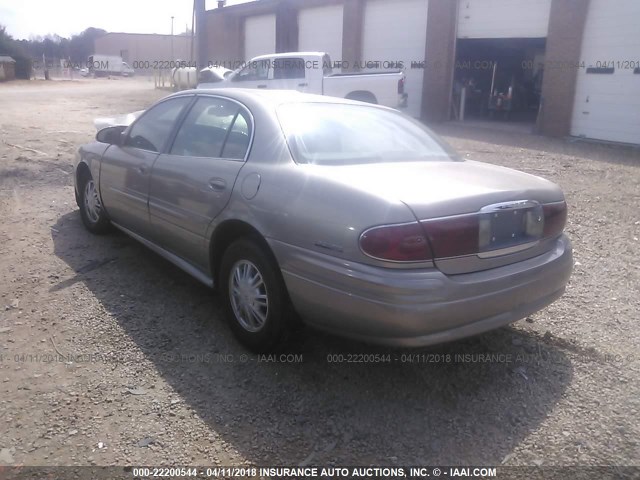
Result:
<point x="350" y="216"/>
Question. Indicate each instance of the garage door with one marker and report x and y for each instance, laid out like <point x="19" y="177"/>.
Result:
<point x="320" y="30"/>
<point x="259" y="36"/>
<point x="503" y="18"/>
<point x="607" y="102"/>
<point x="397" y="31"/>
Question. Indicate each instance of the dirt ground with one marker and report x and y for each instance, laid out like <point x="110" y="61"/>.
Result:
<point x="110" y="355"/>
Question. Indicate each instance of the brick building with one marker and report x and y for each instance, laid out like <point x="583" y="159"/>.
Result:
<point x="570" y="66"/>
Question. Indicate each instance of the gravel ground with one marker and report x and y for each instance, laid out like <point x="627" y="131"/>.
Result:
<point x="110" y="355"/>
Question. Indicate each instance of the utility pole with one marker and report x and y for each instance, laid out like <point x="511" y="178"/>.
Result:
<point x="193" y="33"/>
<point x="172" y="57"/>
<point x="202" y="51"/>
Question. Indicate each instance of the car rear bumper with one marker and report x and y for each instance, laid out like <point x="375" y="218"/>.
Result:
<point x="418" y="307"/>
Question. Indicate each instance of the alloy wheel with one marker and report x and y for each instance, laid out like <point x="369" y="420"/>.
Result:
<point x="248" y="295"/>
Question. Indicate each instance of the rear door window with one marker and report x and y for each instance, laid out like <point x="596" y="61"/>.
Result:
<point x="238" y="140"/>
<point x="288" y="68"/>
<point x="214" y="128"/>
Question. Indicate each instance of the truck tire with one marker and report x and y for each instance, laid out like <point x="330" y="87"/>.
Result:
<point x="361" y="96"/>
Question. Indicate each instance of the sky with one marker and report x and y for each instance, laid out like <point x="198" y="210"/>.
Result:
<point x="24" y="18"/>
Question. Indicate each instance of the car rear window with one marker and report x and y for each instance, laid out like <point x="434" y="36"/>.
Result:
<point x="342" y="134"/>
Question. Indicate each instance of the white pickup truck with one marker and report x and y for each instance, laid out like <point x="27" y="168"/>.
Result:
<point x="312" y="72"/>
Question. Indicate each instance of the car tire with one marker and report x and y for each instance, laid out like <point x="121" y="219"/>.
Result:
<point x="255" y="298"/>
<point x="93" y="215"/>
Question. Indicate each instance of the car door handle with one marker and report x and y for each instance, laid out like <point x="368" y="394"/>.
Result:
<point x="217" y="184"/>
<point x="143" y="169"/>
<point x="303" y="84"/>
<point x="262" y="86"/>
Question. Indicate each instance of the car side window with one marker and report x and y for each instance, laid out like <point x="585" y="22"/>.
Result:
<point x="154" y="127"/>
<point x="209" y="124"/>
<point x="254" y="71"/>
<point x="288" y="68"/>
<point x="238" y="140"/>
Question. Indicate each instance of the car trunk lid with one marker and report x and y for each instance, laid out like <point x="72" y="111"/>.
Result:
<point x="476" y="216"/>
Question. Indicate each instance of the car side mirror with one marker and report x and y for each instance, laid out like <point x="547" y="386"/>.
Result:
<point x="111" y="135"/>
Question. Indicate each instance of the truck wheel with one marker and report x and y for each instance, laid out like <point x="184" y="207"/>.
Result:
<point x="254" y="296"/>
<point x="366" y="97"/>
<point x="93" y="215"/>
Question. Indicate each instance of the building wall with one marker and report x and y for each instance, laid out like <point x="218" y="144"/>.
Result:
<point x="286" y="28"/>
<point x="440" y="60"/>
<point x="144" y="51"/>
<point x="352" y="26"/>
<point x="503" y="18"/>
<point x="562" y="22"/>
<point x="564" y="44"/>
<point x="435" y="45"/>
<point x="225" y="36"/>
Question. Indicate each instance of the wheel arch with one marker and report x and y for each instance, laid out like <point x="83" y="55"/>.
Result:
<point x="82" y="171"/>
<point x="362" y="96"/>
<point x="228" y="232"/>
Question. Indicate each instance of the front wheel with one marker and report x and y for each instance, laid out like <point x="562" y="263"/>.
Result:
<point x="254" y="296"/>
<point x="93" y="215"/>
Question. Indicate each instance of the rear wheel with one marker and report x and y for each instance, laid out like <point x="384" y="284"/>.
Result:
<point x="254" y="296"/>
<point x="366" y="97"/>
<point x="93" y="215"/>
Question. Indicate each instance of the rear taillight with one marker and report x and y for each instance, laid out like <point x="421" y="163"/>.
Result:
<point x="555" y="218"/>
<point x="461" y="235"/>
<point x="401" y="86"/>
<point x="454" y="236"/>
<point x="397" y="243"/>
